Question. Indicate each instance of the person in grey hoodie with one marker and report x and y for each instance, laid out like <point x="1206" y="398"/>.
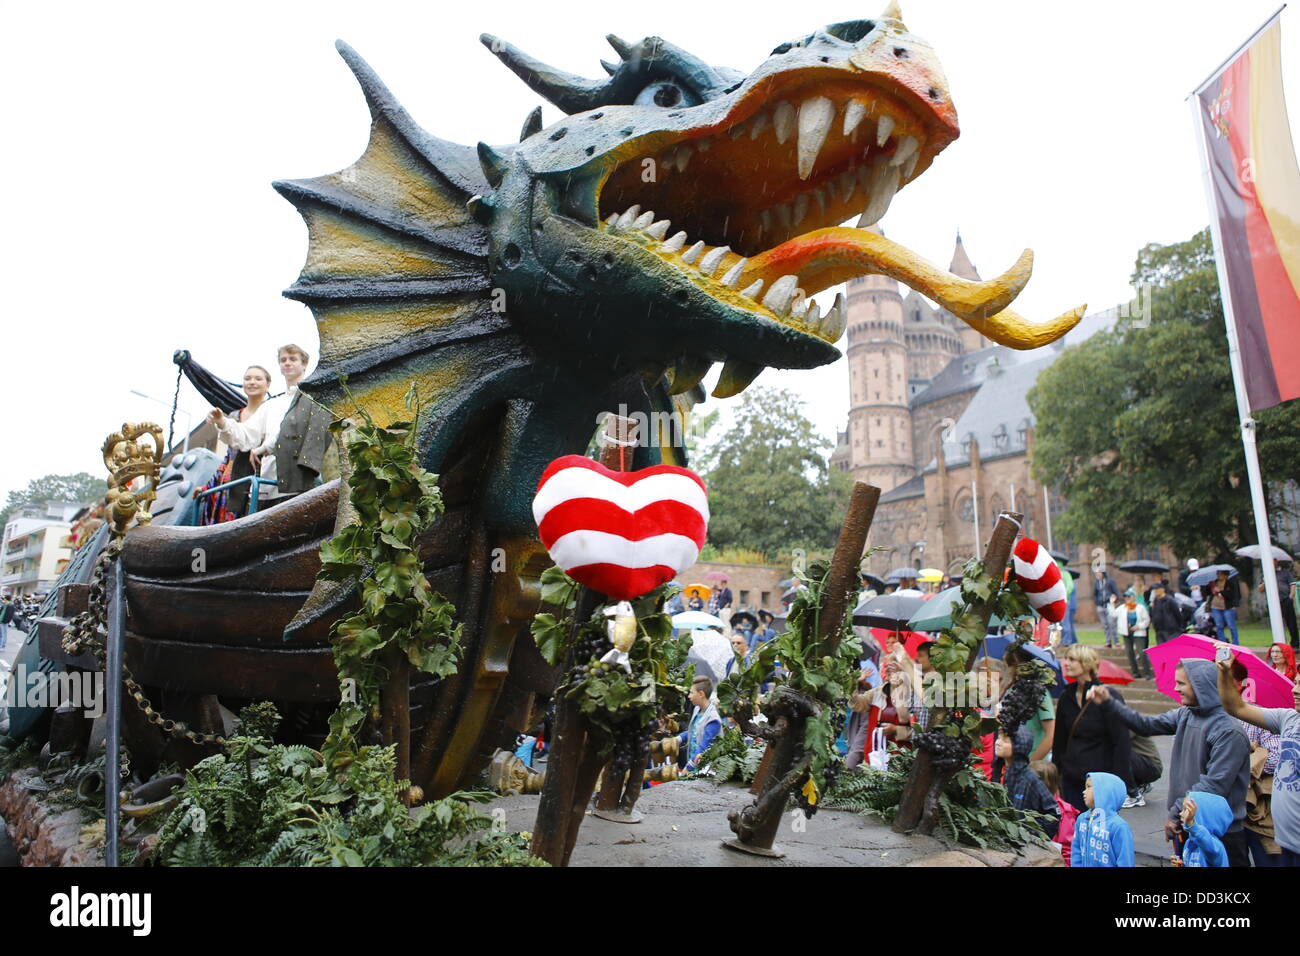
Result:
<point x="1211" y="752"/>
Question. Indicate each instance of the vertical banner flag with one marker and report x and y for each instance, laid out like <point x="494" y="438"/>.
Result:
<point x="1256" y="185"/>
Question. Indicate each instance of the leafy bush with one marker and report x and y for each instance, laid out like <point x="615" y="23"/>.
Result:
<point x="973" y="810"/>
<point x="264" y="804"/>
<point x="732" y="757"/>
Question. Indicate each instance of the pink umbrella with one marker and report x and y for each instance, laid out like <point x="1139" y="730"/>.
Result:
<point x="1270" y="689"/>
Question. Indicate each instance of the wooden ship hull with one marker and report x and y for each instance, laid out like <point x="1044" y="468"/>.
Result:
<point x="207" y="609"/>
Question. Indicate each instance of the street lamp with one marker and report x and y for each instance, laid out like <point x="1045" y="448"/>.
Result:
<point x="188" y="417"/>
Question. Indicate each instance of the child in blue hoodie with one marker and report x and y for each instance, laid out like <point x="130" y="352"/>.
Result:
<point x="1101" y="837"/>
<point x="1206" y="817"/>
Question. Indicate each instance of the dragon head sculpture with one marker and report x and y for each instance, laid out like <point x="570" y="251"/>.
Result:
<point x="680" y="214"/>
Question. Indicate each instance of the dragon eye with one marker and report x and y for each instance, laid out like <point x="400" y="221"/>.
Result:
<point x="661" y="93"/>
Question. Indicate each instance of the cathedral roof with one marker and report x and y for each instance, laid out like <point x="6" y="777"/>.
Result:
<point x="999" y="412"/>
<point x="963" y="373"/>
<point x="912" y="488"/>
<point x="961" y="264"/>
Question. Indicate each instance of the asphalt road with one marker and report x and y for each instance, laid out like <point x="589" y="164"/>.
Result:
<point x="1148" y="822"/>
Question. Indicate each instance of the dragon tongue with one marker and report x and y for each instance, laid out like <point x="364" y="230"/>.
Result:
<point x="827" y="257"/>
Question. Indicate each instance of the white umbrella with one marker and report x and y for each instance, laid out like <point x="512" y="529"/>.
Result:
<point x="688" y="620"/>
<point x="710" y="652"/>
<point x="1252" y="551"/>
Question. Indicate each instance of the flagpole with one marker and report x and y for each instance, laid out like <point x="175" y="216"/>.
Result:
<point x="1258" y="501"/>
<point x="1235" y="53"/>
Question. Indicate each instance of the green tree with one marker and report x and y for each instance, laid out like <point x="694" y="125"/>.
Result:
<point x="769" y="486"/>
<point x="82" y="487"/>
<point x="1137" y="427"/>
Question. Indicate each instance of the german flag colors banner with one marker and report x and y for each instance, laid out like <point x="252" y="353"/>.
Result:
<point x="1256" y="186"/>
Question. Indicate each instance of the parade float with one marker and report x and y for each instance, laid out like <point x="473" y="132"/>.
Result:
<point x="678" y="215"/>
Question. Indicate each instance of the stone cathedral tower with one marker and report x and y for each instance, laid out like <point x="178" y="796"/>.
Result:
<point x="880" y="423"/>
<point x="896" y="347"/>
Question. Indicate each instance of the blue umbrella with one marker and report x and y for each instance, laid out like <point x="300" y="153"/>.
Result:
<point x="1198" y="579"/>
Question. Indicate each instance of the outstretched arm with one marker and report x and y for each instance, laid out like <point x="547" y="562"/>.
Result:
<point x="1232" y="702"/>
<point x="1166" y="723"/>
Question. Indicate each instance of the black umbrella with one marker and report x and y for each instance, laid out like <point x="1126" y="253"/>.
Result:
<point x="887" y="610"/>
<point x="224" y="395"/>
<point x="1061" y="556"/>
<point x="876" y="584"/>
<point x="1143" y="567"/>
<point x="898" y="574"/>
<point x="744" y="616"/>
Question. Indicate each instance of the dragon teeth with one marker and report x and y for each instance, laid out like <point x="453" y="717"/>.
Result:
<point x="854" y="111"/>
<point x="848" y="183"/>
<point x="815" y="118"/>
<point x="781" y="293"/>
<point x="813" y="316"/>
<point x="709" y="264"/>
<point x="693" y="253"/>
<point x="735" y="378"/>
<point x="612" y="220"/>
<point x="801" y="204"/>
<point x="753" y="290"/>
<point x="885" y="127"/>
<point x="736" y="131"/>
<point x="909" y="167"/>
<point x="702" y="145"/>
<point x="783" y="120"/>
<point x="883" y="184"/>
<point x="643" y="220"/>
<point x="783" y="216"/>
<point x="675" y="243"/>
<point x="732" y="276"/>
<point x="757" y="125"/>
<point x="629" y="217"/>
<point x="688" y="372"/>
<point x="682" y="157"/>
<point x="904" y="151"/>
<point x="832" y="325"/>
<point x="659" y="229"/>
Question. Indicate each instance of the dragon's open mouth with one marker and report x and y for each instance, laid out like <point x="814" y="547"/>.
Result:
<point x="755" y="223"/>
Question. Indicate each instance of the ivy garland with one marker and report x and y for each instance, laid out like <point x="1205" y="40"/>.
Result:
<point x="621" y="707"/>
<point x="810" y="669"/>
<point x="395" y="500"/>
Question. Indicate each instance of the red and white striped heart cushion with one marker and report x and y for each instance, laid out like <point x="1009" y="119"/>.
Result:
<point x="622" y="533"/>
<point x="1039" y="577"/>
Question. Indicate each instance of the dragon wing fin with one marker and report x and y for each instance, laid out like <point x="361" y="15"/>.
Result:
<point x="396" y="265"/>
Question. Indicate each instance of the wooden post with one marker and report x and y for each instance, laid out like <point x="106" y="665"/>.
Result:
<point x="918" y="807"/>
<point x="756" y="825"/>
<point x="572" y="769"/>
<point x="396" y="712"/>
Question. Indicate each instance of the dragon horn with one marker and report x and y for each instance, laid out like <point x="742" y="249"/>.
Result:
<point x="892" y="12"/>
<point x="568" y="91"/>
<point x="621" y="46"/>
<point x="532" y="125"/>
<point x="493" y="163"/>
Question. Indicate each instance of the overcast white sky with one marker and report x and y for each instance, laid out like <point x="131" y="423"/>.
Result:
<point x="140" y="141"/>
